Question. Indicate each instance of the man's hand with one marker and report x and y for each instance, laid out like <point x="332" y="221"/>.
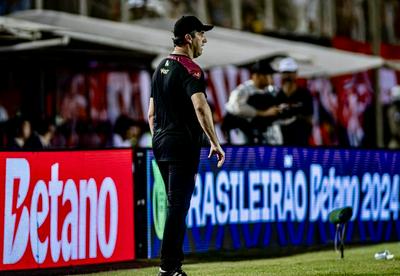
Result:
<point x="219" y="152"/>
<point x="269" y="112"/>
<point x="204" y="115"/>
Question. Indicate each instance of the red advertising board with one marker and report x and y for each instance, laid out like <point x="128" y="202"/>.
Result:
<point x="65" y="208"/>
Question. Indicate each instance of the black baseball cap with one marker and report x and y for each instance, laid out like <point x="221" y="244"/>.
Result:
<point x="189" y="23"/>
<point x="262" y="67"/>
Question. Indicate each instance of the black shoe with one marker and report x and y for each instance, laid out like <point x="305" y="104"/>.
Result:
<point x="176" y="272"/>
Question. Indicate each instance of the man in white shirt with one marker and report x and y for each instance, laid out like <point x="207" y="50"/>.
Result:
<point x="251" y="106"/>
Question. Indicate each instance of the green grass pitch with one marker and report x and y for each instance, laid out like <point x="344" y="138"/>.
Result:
<point x="358" y="260"/>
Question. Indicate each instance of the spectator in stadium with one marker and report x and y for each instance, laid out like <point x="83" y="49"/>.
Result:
<point x="3" y="114"/>
<point x="74" y="103"/>
<point x="252" y="107"/>
<point x="42" y="136"/>
<point x="393" y="115"/>
<point x="20" y="130"/>
<point x="250" y="20"/>
<point x="178" y="116"/>
<point x="219" y="12"/>
<point x="296" y="106"/>
<point x="127" y="132"/>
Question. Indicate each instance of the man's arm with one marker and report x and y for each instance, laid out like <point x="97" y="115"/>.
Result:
<point x="204" y="115"/>
<point x="237" y="103"/>
<point x="272" y="111"/>
<point x="150" y="115"/>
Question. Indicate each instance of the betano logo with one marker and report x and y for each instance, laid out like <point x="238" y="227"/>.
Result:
<point x="44" y="206"/>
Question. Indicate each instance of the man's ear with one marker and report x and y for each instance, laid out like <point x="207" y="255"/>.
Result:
<point x="188" y="38"/>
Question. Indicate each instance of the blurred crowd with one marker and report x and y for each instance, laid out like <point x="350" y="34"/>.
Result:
<point x="311" y="17"/>
<point x="265" y="104"/>
<point x="20" y="133"/>
<point x="258" y="111"/>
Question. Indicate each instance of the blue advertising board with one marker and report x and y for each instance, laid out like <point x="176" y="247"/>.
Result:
<point x="280" y="196"/>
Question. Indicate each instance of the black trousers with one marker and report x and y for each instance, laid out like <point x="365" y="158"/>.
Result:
<point x="179" y="180"/>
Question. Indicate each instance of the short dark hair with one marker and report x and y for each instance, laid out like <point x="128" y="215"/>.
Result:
<point x="45" y="126"/>
<point x="180" y="40"/>
<point x="262" y="67"/>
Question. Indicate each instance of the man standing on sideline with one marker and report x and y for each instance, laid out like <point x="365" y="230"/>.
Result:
<point x="178" y="115"/>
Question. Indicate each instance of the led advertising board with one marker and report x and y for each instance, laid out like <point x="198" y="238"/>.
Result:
<point x="65" y="208"/>
<point x="280" y="196"/>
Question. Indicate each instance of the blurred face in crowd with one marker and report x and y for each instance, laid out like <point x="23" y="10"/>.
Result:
<point x="50" y="133"/>
<point x="262" y="80"/>
<point x="26" y="130"/>
<point x="289" y="85"/>
<point x="289" y="77"/>
<point x="133" y="134"/>
<point x="133" y="131"/>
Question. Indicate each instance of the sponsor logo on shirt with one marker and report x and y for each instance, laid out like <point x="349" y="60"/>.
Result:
<point x="164" y="71"/>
